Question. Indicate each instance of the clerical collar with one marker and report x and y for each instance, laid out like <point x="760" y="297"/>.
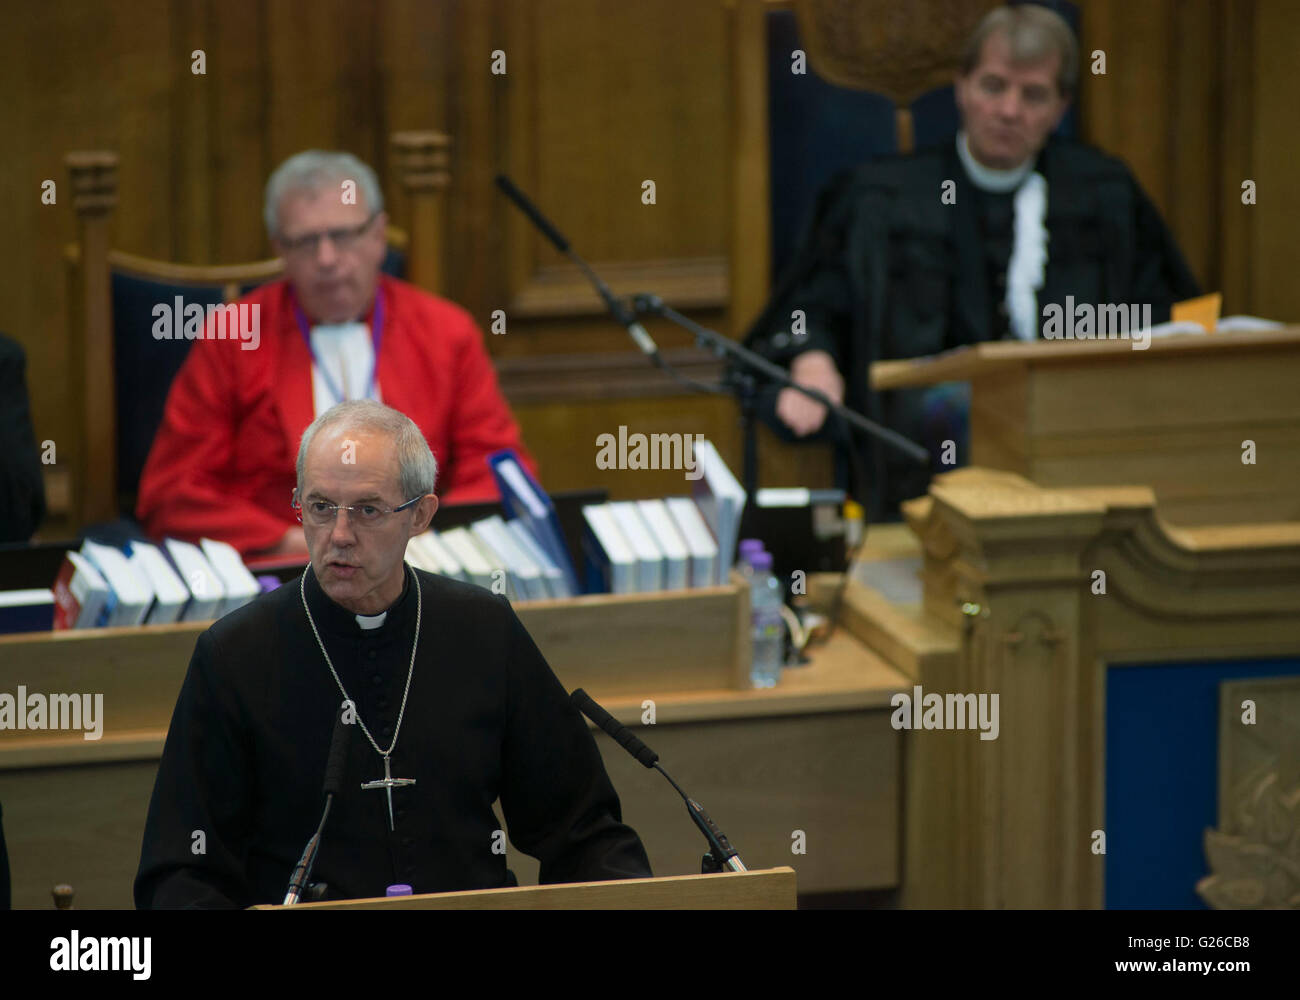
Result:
<point x="338" y="620"/>
<point x="988" y="178"/>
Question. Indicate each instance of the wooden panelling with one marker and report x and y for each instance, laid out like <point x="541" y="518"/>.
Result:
<point x="598" y="97"/>
<point x="1196" y="98"/>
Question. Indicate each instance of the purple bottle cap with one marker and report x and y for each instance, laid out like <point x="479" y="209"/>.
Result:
<point x="761" y="560"/>
<point x="750" y="545"/>
<point x="399" y="890"/>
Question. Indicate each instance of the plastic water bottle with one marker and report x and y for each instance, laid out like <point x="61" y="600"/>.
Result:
<point x="767" y="626"/>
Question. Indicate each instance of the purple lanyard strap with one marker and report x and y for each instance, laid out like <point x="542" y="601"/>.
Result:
<point x="376" y="338"/>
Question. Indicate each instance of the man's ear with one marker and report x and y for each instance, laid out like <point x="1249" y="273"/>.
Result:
<point x="424" y="511"/>
<point x="1065" y="107"/>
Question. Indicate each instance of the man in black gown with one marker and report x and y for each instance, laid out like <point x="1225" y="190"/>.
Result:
<point x="912" y="255"/>
<point x="446" y="687"/>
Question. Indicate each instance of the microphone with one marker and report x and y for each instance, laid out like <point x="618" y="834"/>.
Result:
<point x="335" y="764"/>
<point x="616" y="307"/>
<point x="722" y="854"/>
<point x="624" y="736"/>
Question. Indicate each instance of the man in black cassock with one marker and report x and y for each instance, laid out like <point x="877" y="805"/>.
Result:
<point x="471" y="713"/>
<point x="912" y="255"/>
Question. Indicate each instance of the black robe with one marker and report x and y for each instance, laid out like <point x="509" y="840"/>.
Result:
<point x="885" y="269"/>
<point x="245" y="757"/>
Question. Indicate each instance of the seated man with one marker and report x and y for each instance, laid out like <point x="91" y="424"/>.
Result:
<point x="450" y="699"/>
<point x="333" y="329"/>
<point x="912" y="255"/>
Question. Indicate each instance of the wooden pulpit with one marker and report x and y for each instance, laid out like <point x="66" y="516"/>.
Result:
<point x="1210" y="422"/>
<point x="771" y="889"/>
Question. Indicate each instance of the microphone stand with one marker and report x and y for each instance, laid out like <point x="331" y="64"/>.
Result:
<point x="743" y="383"/>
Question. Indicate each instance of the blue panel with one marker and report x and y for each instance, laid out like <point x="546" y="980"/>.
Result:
<point x="145" y="368"/>
<point x="1162" y="774"/>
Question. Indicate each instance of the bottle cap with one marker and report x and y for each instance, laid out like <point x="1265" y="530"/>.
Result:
<point x="761" y="560"/>
<point x="399" y="890"/>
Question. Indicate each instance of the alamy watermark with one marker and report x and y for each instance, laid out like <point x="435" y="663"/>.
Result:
<point x="1105" y="321"/>
<point x="178" y="320"/>
<point x="648" y="451"/>
<point x="57" y="711"/>
<point x="952" y="711"/>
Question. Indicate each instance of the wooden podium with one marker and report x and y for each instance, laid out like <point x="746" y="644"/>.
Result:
<point x="772" y="889"/>
<point x="1177" y="416"/>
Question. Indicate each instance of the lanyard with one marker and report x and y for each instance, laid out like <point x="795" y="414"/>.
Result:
<point x="376" y="338"/>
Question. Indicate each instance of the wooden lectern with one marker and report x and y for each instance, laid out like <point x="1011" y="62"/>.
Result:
<point x="770" y="889"/>
<point x="1180" y="416"/>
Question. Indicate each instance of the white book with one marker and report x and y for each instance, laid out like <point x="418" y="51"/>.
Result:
<point x="722" y="502"/>
<point x="206" y="589"/>
<point x="552" y="575"/>
<point x="649" y="558"/>
<point x="669" y="538"/>
<point x="469" y="555"/>
<point x="416" y="555"/>
<point x="437" y="551"/>
<point x="607" y="550"/>
<point x="131" y="596"/>
<point x="86" y="586"/>
<point x="525" y="574"/>
<point x="424" y="544"/>
<point x="240" y="585"/>
<point x="170" y="593"/>
<point x="699" y="543"/>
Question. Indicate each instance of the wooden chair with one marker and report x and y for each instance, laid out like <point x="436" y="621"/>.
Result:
<point x="117" y="384"/>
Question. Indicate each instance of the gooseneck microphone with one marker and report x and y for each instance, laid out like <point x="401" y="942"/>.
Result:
<point x="335" y="764"/>
<point x="723" y="855"/>
<point x="616" y="307"/>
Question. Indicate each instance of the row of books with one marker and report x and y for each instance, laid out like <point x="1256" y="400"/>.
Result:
<point x="627" y="546"/>
<point x="102" y="585"/>
<point x="503" y="556"/>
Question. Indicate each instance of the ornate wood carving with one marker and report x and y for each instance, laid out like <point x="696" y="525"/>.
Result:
<point x="1254" y="855"/>
<point x="900" y="50"/>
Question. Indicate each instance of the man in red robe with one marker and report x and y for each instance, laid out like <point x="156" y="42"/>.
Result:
<point x="222" y="463"/>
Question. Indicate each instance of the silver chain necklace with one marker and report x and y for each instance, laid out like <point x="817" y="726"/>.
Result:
<point x="387" y="782"/>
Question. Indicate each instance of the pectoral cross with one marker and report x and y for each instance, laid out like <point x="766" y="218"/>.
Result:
<point x="388" y="782"/>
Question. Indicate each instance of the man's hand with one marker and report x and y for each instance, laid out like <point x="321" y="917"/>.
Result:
<point x="293" y="543"/>
<point x="816" y="370"/>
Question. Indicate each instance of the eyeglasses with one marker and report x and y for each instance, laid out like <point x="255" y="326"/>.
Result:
<point x="320" y="514"/>
<point x="343" y="239"/>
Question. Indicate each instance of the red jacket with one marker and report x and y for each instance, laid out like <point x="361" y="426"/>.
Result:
<point x="223" y="462"/>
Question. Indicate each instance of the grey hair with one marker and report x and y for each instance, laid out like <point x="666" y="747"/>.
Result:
<point x="417" y="468"/>
<point x="313" y="169"/>
<point x="1032" y="32"/>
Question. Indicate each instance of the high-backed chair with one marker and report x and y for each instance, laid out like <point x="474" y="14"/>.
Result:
<point x="119" y="378"/>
